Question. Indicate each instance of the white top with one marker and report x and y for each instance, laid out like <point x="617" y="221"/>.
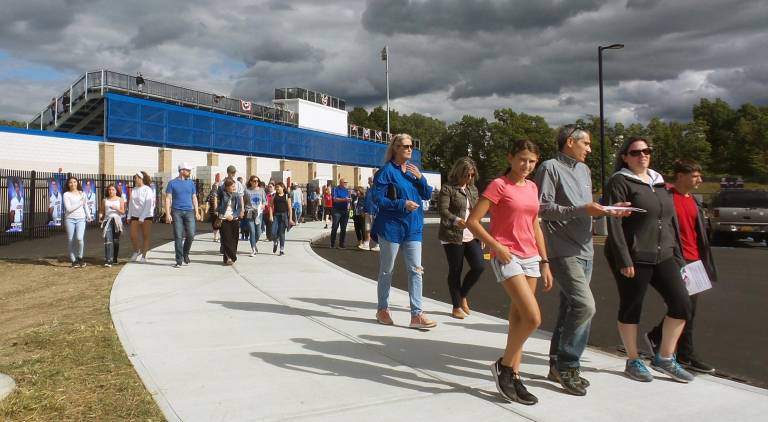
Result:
<point x="74" y="205"/>
<point x="228" y="212"/>
<point x="142" y="204"/>
<point x="112" y="207"/>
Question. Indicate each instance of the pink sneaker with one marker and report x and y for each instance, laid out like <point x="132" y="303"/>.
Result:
<point x="422" y="322"/>
<point x="383" y="317"/>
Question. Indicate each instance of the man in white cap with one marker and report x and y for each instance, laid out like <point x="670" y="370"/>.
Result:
<point x="182" y="210"/>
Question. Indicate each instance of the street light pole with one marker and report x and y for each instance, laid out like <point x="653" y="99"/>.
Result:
<point x="602" y="118"/>
<point x="385" y="57"/>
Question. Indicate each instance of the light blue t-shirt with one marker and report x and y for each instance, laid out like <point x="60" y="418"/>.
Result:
<point x="181" y="194"/>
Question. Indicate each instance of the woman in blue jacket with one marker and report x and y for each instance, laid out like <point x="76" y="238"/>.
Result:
<point x="399" y="187"/>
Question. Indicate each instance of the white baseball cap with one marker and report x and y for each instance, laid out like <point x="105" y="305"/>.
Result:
<point x="185" y="166"/>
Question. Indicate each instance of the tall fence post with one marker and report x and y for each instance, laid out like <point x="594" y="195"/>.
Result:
<point x="32" y="190"/>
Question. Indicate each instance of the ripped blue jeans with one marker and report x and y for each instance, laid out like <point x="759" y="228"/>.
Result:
<point x="387" y="256"/>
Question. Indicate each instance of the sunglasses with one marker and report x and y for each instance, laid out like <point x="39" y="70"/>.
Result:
<point x="403" y="146"/>
<point x="637" y="152"/>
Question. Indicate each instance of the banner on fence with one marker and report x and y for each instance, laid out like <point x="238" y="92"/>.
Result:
<point x="15" y="204"/>
<point x="91" y="201"/>
<point x="55" y="201"/>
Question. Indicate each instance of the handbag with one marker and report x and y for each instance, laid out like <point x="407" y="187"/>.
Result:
<point x="217" y="221"/>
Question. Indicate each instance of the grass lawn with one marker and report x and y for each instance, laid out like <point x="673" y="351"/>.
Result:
<point x="57" y="341"/>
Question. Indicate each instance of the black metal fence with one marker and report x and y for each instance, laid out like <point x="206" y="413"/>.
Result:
<point x="31" y="202"/>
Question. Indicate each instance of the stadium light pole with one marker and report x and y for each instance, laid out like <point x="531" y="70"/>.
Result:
<point x="385" y="57"/>
<point x="602" y="118"/>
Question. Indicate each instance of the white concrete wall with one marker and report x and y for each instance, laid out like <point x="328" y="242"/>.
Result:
<point x="434" y="180"/>
<point x="131" y="158"/>
<point x="194" y="158"/>
<point x="318" y="117"/>
<point x="265" y="166"/>
<point x="239" y="161"/>
<point x="324" y="171"/>
<point x="365" y="173"/>
<point x="44" y="153"/>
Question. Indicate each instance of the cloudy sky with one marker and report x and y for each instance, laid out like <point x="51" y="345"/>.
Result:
<point x="448" y="57"/>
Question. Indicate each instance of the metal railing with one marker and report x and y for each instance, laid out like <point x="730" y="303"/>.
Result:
<point x="310" y="95"/>
<point x="94" y="84"/>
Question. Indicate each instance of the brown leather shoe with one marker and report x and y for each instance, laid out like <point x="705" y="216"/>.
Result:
<point x="465" y="305"/>
<point x="458" y="313"/>
<point x="383" y="317"/>
<point x="422" y="322"/>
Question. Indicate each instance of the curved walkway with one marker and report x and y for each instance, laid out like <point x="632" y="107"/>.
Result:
<point x="293" y="337"/>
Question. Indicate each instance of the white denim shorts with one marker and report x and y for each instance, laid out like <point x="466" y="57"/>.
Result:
<point x="527" y="266"/>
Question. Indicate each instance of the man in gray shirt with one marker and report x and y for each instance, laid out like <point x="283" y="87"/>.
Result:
<point x="566" y="210"/>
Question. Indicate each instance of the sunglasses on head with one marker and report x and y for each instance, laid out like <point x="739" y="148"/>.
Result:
<point x="637" y="152"/>
<point x="575" y="128"/>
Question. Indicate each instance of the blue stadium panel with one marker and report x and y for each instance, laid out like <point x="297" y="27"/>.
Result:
<point x="149" y="122"/>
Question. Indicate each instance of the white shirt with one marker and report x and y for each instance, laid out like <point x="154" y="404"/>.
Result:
<point x="17" y="204"/>
<point x="142" y="203"/>
<point x="74" y="205"/>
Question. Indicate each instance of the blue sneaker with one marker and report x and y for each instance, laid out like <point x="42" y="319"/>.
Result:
<point x="671" y="368"/>
<point x="637" y="370"/>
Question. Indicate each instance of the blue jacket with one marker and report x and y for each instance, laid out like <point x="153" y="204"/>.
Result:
<point x="224" y="198"/>
<point x="393" y="222"/>
<point x="370" y="206"/>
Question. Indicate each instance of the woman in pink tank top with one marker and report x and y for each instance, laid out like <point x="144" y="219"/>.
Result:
<point x="519" y="258"/>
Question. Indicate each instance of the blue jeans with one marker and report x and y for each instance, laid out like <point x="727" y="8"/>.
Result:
<point x="183" y="232"/>
<point x="75" y="237"/>
<point x="340" y="219"/>
<point x="412" y="252"/>
<point x="111" y="243"/>
<point x="254" y="230"/>
<point x="297" y="210"/>
<point x="577" y="307"/>
<point x="279" y="227"/>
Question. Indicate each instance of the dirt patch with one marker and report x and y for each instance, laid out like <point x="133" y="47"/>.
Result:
<point x="57" y="341"/>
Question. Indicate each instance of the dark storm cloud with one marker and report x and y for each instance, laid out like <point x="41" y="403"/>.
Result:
<point x="534" y="56"/>
<point x="468" y="16"/>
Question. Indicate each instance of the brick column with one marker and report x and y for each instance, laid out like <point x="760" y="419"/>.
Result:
<point x="311" y="171"/>
<point x="106" y="158"/>
<point x="335" y="174"/>
<point x="250" y="166"/>
<point x="165" y="160"/>
<point x="357" y="176"/>
<point x="213" y="159"/>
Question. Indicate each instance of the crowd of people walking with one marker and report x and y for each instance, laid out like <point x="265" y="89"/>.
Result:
<point x="541" y="217"/>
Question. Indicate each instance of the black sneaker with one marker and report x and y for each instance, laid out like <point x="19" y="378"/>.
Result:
<point x="186" y="260"/>
<point x="569" y="380"/>
<point x="510" y="386"/>
<point x="81" y="263"/>
<point x="274" y="248"/>
<point x="552" y="376"/>
<point x="75" y="264"/>
<point x="693" y="364"/>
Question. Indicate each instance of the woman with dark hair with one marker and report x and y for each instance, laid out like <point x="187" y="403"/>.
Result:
<point x="211" y="200"/>
<point x="254" y="210"/>
<point x="281" y="216"/>
<point x="456" y="200"/>
<point x="76" y="214"/>
<point x="519" y="259"/>
<point x="642" y="250"/>
<point x="398" y="189"/>
<point x="358" y="214"/>
<point x="141" y="209"/>
<point x="228" y="205"/>
<point x="112" y="211"/>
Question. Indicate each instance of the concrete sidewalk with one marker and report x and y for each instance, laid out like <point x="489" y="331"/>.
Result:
<point x="294" y="337"/>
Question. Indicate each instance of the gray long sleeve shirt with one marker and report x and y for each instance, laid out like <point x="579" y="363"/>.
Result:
<point x="565" y="186"/>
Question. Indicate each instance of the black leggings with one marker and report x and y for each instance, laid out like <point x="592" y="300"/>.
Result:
<point x="359" y="221"/>
<point x="665" y="278"/>
<point x="456" y="254"/>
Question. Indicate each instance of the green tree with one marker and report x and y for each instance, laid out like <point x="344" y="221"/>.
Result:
<point x="719" y="119"/>
<point x="13" y="123"/>
<point x="750" y="147"/>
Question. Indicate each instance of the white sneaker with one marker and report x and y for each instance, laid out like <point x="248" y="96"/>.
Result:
<point x="375" y="248"/>
<point x="362" y="246"/>
<point x="143" y="260"/>
<point x="253" y="253"/>
<point x="134" y="257"/>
